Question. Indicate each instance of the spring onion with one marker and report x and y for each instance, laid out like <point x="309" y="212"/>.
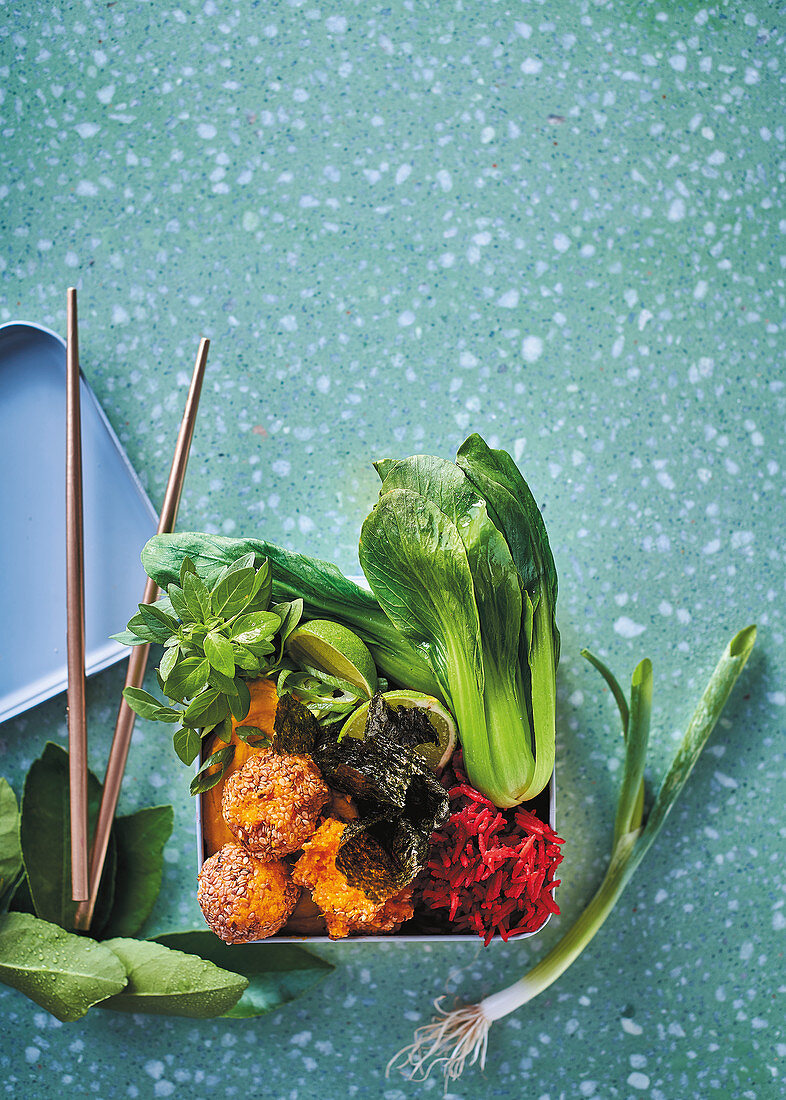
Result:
<point x="459" y="1036"/>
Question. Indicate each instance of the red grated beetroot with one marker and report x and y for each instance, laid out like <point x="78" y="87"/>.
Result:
<point x="491" y="870"/>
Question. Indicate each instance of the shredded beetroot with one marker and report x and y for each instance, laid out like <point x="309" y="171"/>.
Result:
<point x="491" y="870"/>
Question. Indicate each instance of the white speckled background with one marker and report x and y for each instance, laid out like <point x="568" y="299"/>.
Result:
<point x="560" y="225"/>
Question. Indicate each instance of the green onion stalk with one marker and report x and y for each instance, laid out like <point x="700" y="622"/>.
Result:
<point x="460" y="1036"/>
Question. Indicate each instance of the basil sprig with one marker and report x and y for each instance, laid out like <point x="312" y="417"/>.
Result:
<point x="216" y="636"/>
<point x="219" y="630"/>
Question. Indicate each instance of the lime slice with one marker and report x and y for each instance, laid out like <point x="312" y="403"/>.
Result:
<point x="436" y="756"/>
<point x="335" y="650"/>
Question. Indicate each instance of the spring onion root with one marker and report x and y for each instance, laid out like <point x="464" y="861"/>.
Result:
<point x="450" y="1039"/>
<point x="456" y="1038"/>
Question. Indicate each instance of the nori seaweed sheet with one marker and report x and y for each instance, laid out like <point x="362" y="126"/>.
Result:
<point x="408" y="726"/>
<point x="427" y="806"/>
<point x="381" y="855"/>
<point x="295" y="729"/>
<point x="376" y="773"/>
<point x="399" y="799"/>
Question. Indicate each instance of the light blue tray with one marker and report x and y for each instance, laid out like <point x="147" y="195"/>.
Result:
<point x="118" y="519"/>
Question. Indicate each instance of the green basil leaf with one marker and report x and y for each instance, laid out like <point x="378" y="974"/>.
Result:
<point x="158" y="622"/>
<point x="260" y="648"/>
<point x="208" y="708"/>
<point x="168" y="982"/>
<point x="147" y="706"/>
<point x="187" y="744"/>
<point x="63" y="973"/>
<point x="187" y="678"/>
<point x="253" y="736"/>
<point x="240" y="703"/>
<point x="196" y="596"/>
<point x="195" y="633"/>
<point x="232" y="593"/>
<point x="140" y="840"/>
<point x="255" y="626"/>
<point x="10" y="845"/>
<point x="179" y="604"/>
<point x="45" y="834"/>
<point x="262" y="588"/>
<point x="276" y="974"/>
<point x="290" y="615"/>
<point x="205" y="779"/>
<point x="163" y="603"/>
<point x="218" y="651"/>
<point x="223" y="730"/>
<point x="225" y="684"/>
<point x="139" y="627"/>
<point x="246" y="660"/>
<point x="186" y="566"/>
<point x="168" y="661"/>
<point x="244" y="562"/>
<point x="128" y="637"/>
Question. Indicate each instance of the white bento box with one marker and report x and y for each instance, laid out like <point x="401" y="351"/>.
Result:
<point x="545" y="803"/>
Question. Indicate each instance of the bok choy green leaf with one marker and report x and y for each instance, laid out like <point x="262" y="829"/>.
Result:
<point x="459" y="560"/>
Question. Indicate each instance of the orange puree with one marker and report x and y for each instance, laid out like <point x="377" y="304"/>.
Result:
<point x="262" y="713"/>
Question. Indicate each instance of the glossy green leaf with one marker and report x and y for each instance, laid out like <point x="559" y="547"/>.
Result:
<point x="168" y="982"/>
<point x="64" y="973"/>
<point x="240" y="702"/>
<point x="168" y="661"/>
<point x="218" y="651"/>
<point x="252" y="735"/>
<point x="185" y="566"/>
<point x="10" y="845"/>
<point x="254" y="627"/>
<point x="232" y="592"/>
<point x="140" y="629"/>
<point x="140" y="839"/>
<point x="161" y="625"/>
<point x="128" y="637"/>
<point x="177" y="596"/>
<point x="45" y="833"/>
<point x="187" y="743"/>
<point x="147" y="706"/>
<point x="197" y="596"/>
<point x="276" y="973"/>
<point x="212" y="770"/>
<point x="209" y="707"/>
<point x="188" y="677"/>
<point x="225" y="684"/>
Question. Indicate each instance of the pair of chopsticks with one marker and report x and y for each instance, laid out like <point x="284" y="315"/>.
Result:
<point x="87" y="864"/>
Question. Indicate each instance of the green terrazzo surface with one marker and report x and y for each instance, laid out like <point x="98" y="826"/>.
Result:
<point x="560" y="225"/>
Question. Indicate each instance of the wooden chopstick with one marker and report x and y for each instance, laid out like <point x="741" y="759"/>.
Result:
<point x="137" y="663"/>
<point x="75" y="601"/>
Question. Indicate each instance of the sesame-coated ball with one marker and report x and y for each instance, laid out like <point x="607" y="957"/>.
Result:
<point x="272" y="804"/>
<point x="243" y="899"/>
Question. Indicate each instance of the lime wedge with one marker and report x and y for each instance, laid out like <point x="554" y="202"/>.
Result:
<point x="435" y="756"/>
<point x="335" y="650"/>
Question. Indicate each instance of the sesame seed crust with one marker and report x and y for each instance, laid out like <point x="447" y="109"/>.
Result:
<point x="272" y="804"/>
<point x="243" y="899"/>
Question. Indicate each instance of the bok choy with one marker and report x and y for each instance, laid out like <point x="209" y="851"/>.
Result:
<point x="458" y="558"/>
